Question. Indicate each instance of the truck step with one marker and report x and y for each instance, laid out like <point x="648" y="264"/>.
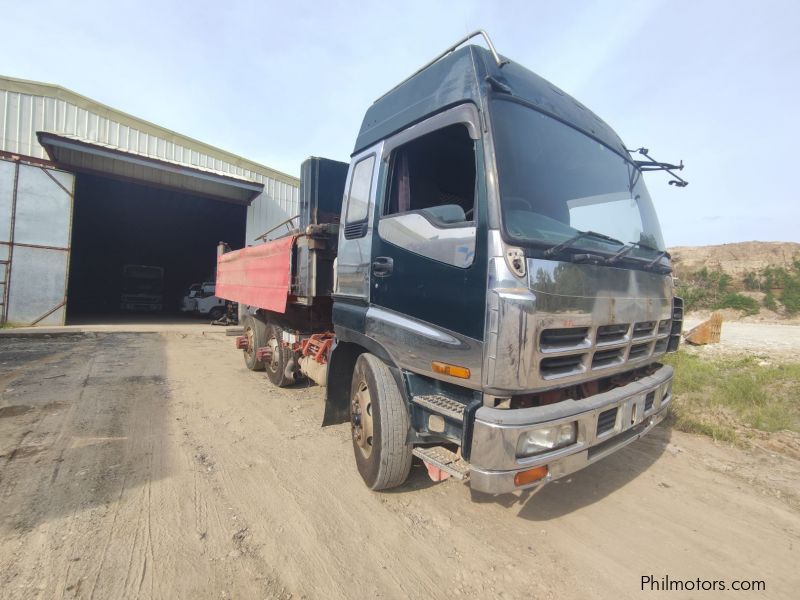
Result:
<point x="442" y="405"/>
<point x="442" y="458"/>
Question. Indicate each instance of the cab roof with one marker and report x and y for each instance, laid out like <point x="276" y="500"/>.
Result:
<point x="470" y="74"/>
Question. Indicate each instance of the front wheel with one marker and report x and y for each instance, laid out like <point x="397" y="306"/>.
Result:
<point x="379" y="423"/>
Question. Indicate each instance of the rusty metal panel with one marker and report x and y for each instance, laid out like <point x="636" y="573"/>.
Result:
<point x="7" y="174"/>
<point x="257" y="276"/>
<point x="38" y="286"/>
<point x="707" y="332"/>
<point x="44" y="207"/>
<point x="35" y="230"/>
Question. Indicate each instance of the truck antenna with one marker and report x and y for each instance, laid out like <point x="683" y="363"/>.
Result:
<point x="500" y="62"/>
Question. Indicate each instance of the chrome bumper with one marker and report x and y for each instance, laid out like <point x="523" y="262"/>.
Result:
<point x="493" y="458"/>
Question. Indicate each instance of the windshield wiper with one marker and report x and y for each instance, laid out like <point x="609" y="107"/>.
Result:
<point x="658" y="257"/>
<point x="625" y="250"/>
<point x="581" y="234"/>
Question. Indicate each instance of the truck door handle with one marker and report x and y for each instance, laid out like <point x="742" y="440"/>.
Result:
<point x="382" y="266"/>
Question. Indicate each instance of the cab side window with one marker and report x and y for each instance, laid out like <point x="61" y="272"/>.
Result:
<point x="430" y="205"/>
<point x="358" y="199"/>
<point x="435" y="174"/>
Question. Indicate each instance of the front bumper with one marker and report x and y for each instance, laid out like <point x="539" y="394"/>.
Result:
<point x="640" y="406"/>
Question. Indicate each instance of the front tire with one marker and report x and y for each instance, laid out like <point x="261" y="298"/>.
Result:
<point x="255" y="330"/>
<point x="379" y="423"/>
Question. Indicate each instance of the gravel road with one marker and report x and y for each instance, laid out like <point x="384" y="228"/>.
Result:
<point x="146" y="465"/>
<point x="737" y="336"/>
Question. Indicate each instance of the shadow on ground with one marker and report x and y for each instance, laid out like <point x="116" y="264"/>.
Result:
<point x="82" y="418"/>
<point x="590" y="485"/>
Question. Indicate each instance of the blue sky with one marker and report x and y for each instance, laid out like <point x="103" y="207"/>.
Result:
<point x="716" y="84"/>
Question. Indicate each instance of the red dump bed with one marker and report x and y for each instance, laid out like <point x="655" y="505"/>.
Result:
<point x="257" y="276"/>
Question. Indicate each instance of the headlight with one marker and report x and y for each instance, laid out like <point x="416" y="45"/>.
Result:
<point x="547" y="438"/>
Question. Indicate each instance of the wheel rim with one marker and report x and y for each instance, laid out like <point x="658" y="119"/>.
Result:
<point x="274" y="362"/>
<point x="248" y="333"/>
<point x="361" y="419"/>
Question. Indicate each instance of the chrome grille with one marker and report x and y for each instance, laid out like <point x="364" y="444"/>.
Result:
<point x="568" y="351"/>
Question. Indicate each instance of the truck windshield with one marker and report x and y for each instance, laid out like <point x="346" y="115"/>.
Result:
<point x="555" y="182"/>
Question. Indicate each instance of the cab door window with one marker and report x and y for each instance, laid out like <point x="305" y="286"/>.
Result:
<point x="430" y="206"/>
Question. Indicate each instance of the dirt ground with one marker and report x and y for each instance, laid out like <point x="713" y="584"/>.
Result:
<point x="154" y="465"/>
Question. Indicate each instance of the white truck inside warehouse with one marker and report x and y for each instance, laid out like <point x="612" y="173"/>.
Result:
<point x="485" y="286"/>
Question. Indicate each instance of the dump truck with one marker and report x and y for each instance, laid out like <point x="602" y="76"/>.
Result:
<point x="142" y="288"/>
<point x="484" y="286"/>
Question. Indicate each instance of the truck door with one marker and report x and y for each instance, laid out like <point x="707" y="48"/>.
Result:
<point x="429" y="249"/>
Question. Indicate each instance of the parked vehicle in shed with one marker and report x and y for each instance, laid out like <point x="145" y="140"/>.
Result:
<point x="201" y="300"/>
<point x="188" y="302"/>
<point x="142" y="288"/>
<point x="485" y="286"/>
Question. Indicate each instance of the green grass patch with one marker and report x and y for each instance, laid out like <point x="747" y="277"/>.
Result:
<point x="721" y="397"/>
<point x="739" y="302"/>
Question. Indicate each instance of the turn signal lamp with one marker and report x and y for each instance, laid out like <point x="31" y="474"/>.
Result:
<point x="450" y="370"/>
<point x="530" y="476"/>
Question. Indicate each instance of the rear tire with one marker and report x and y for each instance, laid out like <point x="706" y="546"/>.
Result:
<point x="379" y="423"/>
<point x="255" y="330"/>
<point x="281" y="355"/>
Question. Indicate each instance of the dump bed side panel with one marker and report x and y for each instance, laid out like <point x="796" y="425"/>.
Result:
<point x="257" y="276"/>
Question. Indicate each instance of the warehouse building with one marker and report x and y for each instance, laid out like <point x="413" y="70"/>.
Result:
<point x="86" y="190"/>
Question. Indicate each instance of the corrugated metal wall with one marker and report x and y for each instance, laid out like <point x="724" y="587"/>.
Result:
<point x="27" y="107"/>
<point x="277" y="203"/>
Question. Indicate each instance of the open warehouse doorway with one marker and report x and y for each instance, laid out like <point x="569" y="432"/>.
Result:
<point x="118" y="224"/>
<point x="86" y="189"/>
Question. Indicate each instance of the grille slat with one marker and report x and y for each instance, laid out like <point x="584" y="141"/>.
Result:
<point x="606" y="358"/>
<point x="568" y="337"/>
<point x="648" y="400"/>
<point x="561" y="365"/>
<point x="606" y="420"/>
<point x="643" y="329"/>
<point x="639" y="350"/>
<point x="607" y="334"/>
<point x="355" y="230"/>
<point x="664" y="326"/>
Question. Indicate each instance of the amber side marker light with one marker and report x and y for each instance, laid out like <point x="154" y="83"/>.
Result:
<point x="530" y="476"/>
<point x="451" y="370"/>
